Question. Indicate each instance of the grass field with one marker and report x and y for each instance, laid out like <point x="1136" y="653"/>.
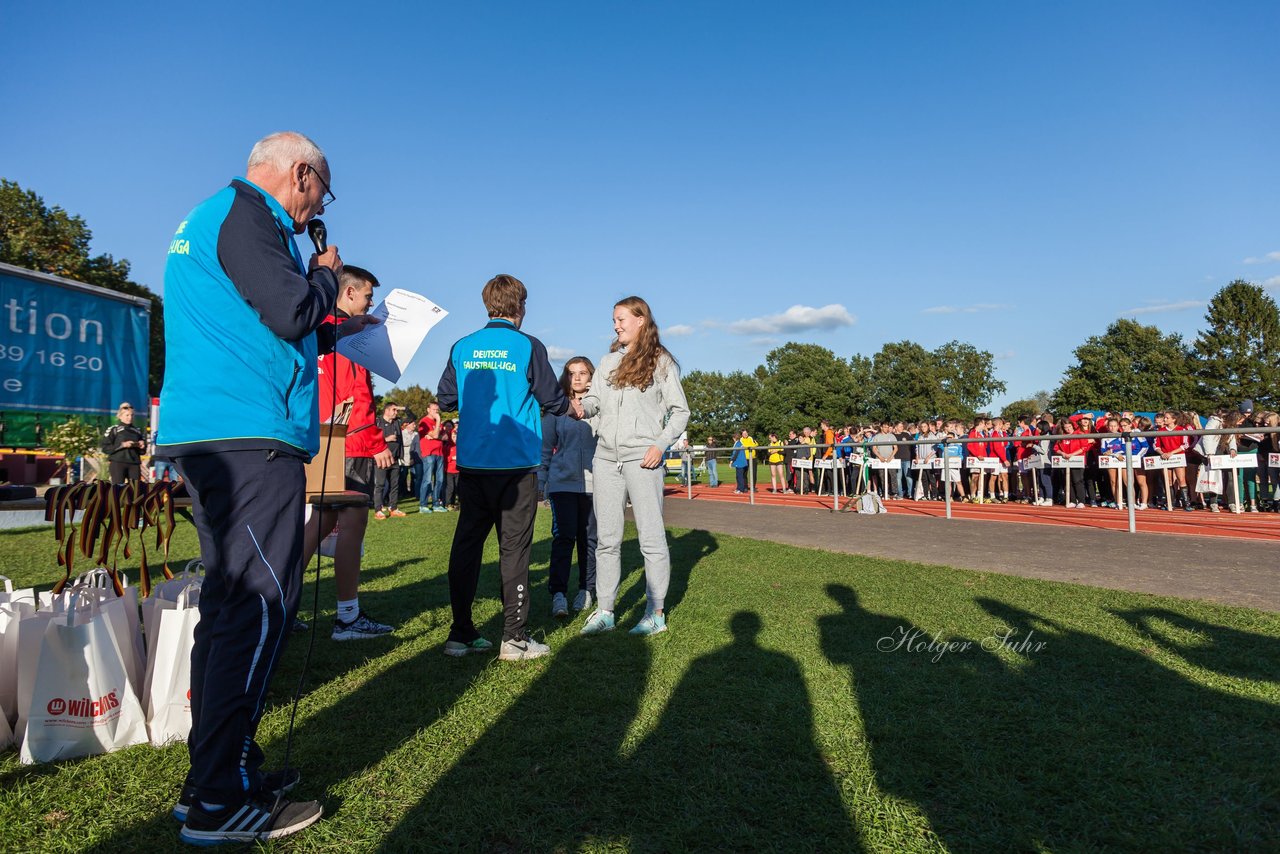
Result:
<point x="801" y="701"/>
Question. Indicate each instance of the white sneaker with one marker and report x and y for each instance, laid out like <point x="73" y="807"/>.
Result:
<point x="559" y="605"/>
<point x="582" y="601"/>
<point x="1078" y="505"/>
<point x="519" y="650"/>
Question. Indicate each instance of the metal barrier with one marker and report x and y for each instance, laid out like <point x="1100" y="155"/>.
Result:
<point x="837" y="461"/>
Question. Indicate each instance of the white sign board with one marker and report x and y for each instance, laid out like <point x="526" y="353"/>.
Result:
<point x="885" y="465"/>
<point x="1031" y="463"/>
<point x="986" y="463"/>
<point x="1240" y="461"/>
<point x="1067" y="462"/>
<point x="1156" y="462"/>
<point x="1106" y="461"/>
<point x="1273" y="461"/>
<point x="800" y="463"/>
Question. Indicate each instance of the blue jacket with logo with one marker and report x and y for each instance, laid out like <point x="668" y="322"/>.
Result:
<point x="240" y="315"/>
<point x="500" y="381"/>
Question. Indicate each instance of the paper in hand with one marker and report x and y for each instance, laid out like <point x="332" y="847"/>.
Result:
<point x="387" y="348"/>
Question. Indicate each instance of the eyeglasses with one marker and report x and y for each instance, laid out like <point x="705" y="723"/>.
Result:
<point x="329" y="197"/>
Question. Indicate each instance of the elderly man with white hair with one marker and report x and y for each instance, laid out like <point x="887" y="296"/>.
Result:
<point x="242" y="309"/>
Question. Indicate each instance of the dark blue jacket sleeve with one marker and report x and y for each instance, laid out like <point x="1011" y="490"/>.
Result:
<point x="543" y="381"/>
<point x="252" y="250"/>
<point x="447" y="388"/>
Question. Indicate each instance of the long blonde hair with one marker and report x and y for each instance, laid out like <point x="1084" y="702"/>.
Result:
<point x="640" y="362"/>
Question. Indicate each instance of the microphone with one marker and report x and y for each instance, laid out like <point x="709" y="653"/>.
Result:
<point x="319" y="234"/>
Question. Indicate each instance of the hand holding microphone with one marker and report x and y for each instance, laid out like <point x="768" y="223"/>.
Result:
<point x="325" y="256"/>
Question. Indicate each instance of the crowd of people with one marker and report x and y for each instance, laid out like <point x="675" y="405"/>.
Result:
<point x="1004" y="461"/>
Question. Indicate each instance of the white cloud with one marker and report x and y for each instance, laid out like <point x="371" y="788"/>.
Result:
<point x="1273" y="282"/>
<point x="1164" y="307"/>
<point x="560" y="354"/>
<point x="1007" y="354"/>
<point x="798" y="318"/>
<point x="1270" y="256"/>
<point x="965" y="309"/>
<point x="680" y="330"/>
<point x="765" y="341"/>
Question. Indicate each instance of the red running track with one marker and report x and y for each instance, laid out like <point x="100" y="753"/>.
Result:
<point x="1245" y="526"/>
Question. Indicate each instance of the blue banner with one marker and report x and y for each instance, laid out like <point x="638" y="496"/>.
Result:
<point x="66" y="347"/>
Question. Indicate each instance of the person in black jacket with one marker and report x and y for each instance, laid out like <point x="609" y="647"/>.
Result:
<point x="123" y="444"/>
<point x="386" y="482"/>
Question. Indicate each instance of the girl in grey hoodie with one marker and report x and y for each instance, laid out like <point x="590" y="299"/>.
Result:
<point x="640" y="408"/>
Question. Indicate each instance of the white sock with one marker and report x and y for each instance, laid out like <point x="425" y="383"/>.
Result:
<point x="348" y="609"/>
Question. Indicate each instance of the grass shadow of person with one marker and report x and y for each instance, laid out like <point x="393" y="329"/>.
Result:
<point x="1224" y="650"/>
<point x="547" y="775"/>
<point x="732" y="764"/>
<point x="1077" y="743"/>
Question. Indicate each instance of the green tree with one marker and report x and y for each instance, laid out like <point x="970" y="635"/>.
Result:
<point x="1032" y="406"/>
<point x="719" y="404"/>
<point x="1130" y="366"/>
<point x="415" y="397"/>
<point x="49" y="240"/>
<point x="73" y="438"/>
<point x="1239" y="353"/>
<point x="905" y="383"/>
<point x="802" y="384"/>
<point x="967" y="376"/>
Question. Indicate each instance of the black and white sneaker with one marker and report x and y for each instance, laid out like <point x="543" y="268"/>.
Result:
<point x="271" y="785"/>
<point x="359" y="628"/>
<point x="253" y="820"/>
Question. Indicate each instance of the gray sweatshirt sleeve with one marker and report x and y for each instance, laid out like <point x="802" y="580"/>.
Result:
<point x="677" y="406"/>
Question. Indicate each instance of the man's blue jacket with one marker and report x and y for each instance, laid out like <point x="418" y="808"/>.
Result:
<point x="240" y="316"/>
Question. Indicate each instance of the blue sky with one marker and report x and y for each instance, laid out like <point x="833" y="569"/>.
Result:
<point x="1014" y="175"/>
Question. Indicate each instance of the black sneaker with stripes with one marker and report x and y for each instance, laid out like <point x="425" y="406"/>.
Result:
<point x="271" y="784"/>
<point x="253" y="820"/>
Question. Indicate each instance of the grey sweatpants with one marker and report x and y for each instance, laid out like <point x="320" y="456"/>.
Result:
<point x="614" y="483"/>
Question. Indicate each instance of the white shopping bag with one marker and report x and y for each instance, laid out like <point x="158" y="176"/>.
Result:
<point x="81" y="703"/>
<point x="122" y="612"/>
<point x="1209" y="480"/>
<point x="29" y="636"/>
<point x="10" y="614"/>
<point x="169" y="590"/>
<point x="169" y="699"/>
<point x="164" y="596"/>
<point x="330" y="543"/>
<point x="6" y="732"/>
<point x="8" y="594"/>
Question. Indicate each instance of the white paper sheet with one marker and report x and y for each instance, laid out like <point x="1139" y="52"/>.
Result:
<point x="387" y="348"/>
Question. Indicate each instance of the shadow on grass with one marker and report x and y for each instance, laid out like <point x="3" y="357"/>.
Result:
<point x="1221" y="649"/>
<point x="545" y="776"/>
<point x="731" y="764"/>
<point x="1076" y="744"/>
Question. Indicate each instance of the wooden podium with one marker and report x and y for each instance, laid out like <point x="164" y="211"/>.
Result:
<point x="326" y="473"/>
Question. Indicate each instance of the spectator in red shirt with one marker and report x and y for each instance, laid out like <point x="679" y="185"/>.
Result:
<point x="1073" y="448"/>
<point x="1168" y="446"/>
<point x="449" y="438"/>
<point x="431" y="448"/>
<point x="1000" y="450"/>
